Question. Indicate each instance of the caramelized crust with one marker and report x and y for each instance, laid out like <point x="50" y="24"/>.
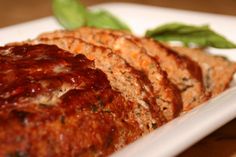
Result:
<point x="54" y="103"/>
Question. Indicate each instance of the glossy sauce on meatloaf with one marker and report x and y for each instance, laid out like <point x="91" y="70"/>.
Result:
<point x="132" y="84"/>
<point x="54" y="103"/>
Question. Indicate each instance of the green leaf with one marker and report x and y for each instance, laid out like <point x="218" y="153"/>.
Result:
<point x="72" y="14"/>
<point x="69" y="13"/>
<point x="201" y="36"/>
<point x="104" y="19"/>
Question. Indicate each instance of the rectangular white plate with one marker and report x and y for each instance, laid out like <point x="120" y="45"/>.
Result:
<point x="186" y="130"/>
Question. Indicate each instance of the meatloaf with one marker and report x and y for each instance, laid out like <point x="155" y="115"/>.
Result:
<point x="167" y="94"/>
<point x="133" y="85"/>
<point x="55" y="103"/>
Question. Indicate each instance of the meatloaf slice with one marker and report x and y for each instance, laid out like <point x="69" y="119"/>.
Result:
<point x="167" y="95"/>
<point x="54" y="103"/>
<point x="218" y="71"/>
<point x="181" y="70"/>
<point x="132" y="84"/>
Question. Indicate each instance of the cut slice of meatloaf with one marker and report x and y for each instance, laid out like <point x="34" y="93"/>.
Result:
<point x="132" y="84"/>
<point x="182" y="71"/>
<point x="54" y="103"/>
<point x="167" y="95"/>
<point x="218" y="71"/>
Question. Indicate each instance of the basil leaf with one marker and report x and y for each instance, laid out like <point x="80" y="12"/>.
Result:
<point x="104" y="19"/>
<point x="72" y="14"/>
<point x="201" y="36"/>
<point x="69" y="13"/>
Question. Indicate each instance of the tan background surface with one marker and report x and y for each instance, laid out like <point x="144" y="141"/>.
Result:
<point x="221" y="143"/>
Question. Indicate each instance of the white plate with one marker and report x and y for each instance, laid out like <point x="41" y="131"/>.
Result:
<point x="184" y="131"/>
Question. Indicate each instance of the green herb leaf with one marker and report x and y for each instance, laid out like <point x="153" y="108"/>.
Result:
<point x="104" y="19"/>
<point x="69" y="13"/>
<point x="72" y="14"/>
<point x="201" y="36"/>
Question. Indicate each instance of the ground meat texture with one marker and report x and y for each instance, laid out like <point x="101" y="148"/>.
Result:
<point x="213" y="67"/>
<point x="167" y="95"/>
<point x="182" y="71"/>
<point x="55" y="103"/>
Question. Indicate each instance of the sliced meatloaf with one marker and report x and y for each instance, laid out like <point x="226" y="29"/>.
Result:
<point x="167" y="95"/>
<point x="55" y="103"/>
<point x="218" y="71"/>
<point x="182" y="71"/>
<point x="132" y="84"/>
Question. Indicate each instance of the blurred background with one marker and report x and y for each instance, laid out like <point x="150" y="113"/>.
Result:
<point x="15" y="11"/>
<point x="221" y="143"/>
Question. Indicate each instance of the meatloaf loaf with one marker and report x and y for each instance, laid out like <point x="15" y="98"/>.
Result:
<point x="55" y="103"/>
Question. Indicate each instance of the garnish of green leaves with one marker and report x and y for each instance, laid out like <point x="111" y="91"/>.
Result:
<point x="201" y="36"/>
<point x="72" y="14"/>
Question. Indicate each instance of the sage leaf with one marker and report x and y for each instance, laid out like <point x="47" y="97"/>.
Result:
<point x="69" y="13"/>
<point x="104" y="19"/>
<point x="73" y="14"/>
<point x="201" y="36"/>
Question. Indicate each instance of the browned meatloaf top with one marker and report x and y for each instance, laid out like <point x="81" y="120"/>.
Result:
<point x="54" y="103"/>
<point x="132" y="84"/>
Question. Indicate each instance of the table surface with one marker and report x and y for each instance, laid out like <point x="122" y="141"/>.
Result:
<point x="221" y="143"/>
